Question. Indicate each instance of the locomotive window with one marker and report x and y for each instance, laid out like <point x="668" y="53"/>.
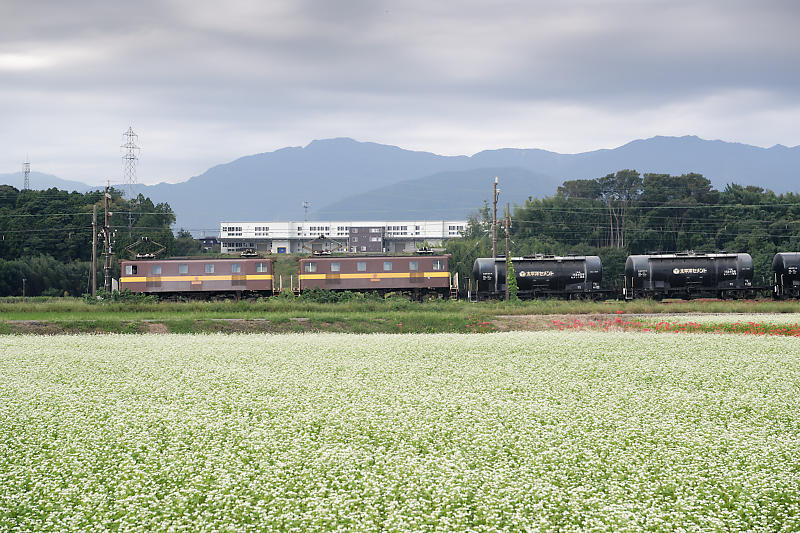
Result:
<point x="261" y="267"/>
<point x="310" y="267"/>
<point x="413" y="265"/>
<point x="209" y="268"/>
<point x="236" y="268"/>
<point x="361" y="266"/>
<point x="183" y="269"/>
<point x="130" y="269"/>
<point x="387" y="265"/>
<point x="438" y="264"/>
<point x="336" y="267"/>
<point x="156" y="270"/>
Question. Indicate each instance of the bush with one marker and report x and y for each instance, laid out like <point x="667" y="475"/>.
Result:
<point x="326" y="296"/>
<point x="116" y="296"/>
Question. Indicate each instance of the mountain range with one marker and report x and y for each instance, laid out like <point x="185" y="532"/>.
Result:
<point x="350" y="180"/>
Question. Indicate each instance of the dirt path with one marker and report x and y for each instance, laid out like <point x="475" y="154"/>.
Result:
<point x="545" y="322"/>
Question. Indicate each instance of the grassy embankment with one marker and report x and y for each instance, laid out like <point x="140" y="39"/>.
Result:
<point x="55" y="315"/>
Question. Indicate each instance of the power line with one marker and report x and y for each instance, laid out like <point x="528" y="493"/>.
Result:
<point x="84" y="213"/>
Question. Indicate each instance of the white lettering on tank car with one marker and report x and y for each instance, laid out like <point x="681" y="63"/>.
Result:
<point x="689" y="270"/>
<point x="536" y="273"/>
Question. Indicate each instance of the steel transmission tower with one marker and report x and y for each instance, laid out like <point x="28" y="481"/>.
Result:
<point x="26" y="171"/>
<point x="130" y="157"/>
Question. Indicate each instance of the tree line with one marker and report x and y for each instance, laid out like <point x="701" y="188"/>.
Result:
<point x="628" y="213"/>
<point x="46" y="237"/>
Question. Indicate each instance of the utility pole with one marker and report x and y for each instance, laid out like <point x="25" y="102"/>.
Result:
<point x="508" y="251"/>
<point x="495" y="196"/>
<point x="23" y="288"/>
<point x="94" y="250"/>
<point x="107" y="243"/>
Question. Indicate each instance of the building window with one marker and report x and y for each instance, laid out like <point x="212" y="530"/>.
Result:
<point x="363" y="248"/>
<point x="387" y="265"/>
<point x="261" y="267"/>
<point x="375" y="230"/>
<point x="310" y="267"/>
<point x="375" y="239"/>
<point x="236" y="268"/>
<point x="355" y="239"/>
<point x="336" y="267"/>
<point x="438" y="264"/>
<point x="413" y="265"/>
<point x="130" y="270"/>
<point x="209" y="268"/>
<point x="183" y="269"/>
<point x="156" y="270"/>
<point x="361" y="266"/>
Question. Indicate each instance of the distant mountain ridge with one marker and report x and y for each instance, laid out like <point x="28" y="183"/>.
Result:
<point x="40" y="181"/>
<point x="448" y="195"/>
<point x="351" y="180"/>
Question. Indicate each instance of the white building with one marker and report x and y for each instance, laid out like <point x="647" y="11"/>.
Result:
<point x="346" y="236"/>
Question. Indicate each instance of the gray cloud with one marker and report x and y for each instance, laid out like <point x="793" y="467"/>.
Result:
<point x="204" y="83"/>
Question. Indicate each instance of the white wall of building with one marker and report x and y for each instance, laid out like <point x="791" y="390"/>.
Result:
<point x="270" y="236"/>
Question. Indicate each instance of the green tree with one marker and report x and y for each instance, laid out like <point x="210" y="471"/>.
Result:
<point x="511" y="282"/>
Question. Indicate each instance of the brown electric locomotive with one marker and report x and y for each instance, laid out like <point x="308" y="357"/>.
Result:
<point x="199" y="277"/>
<point x="415" y="275"/>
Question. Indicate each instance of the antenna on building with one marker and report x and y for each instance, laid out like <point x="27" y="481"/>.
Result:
<point x="306" y="205"/>
<point x="26" y="171"/>
<point x="130" y="157"/>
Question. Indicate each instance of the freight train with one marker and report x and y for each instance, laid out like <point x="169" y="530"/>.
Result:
<point x="657" y="276"/>
<point x="540" y="276"/>
<point x="417" y="276"/>
<point x="688" y="275"/>
<point x="199" y="278"/>
<point x="786" y="275"/>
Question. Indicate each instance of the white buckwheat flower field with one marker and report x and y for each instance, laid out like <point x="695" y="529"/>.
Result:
<point x="555" y="430"/>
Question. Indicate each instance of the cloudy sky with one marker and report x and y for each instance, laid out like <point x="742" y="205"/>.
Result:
<point x="205" y="82"/>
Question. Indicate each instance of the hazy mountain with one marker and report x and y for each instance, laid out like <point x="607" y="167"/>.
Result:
<point x="443" y="195"/>
<point x="343" y="178"/>
<point x="272" y="186"/>
<point x="776" y="168"/>
<point x="41" y="181"/>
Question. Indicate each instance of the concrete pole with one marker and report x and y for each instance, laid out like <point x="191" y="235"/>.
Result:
<point x="494" y="218"/>
<point x="107" y="243"/>
<point x="94" y="250"/>
<point x="508" y="251"/>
